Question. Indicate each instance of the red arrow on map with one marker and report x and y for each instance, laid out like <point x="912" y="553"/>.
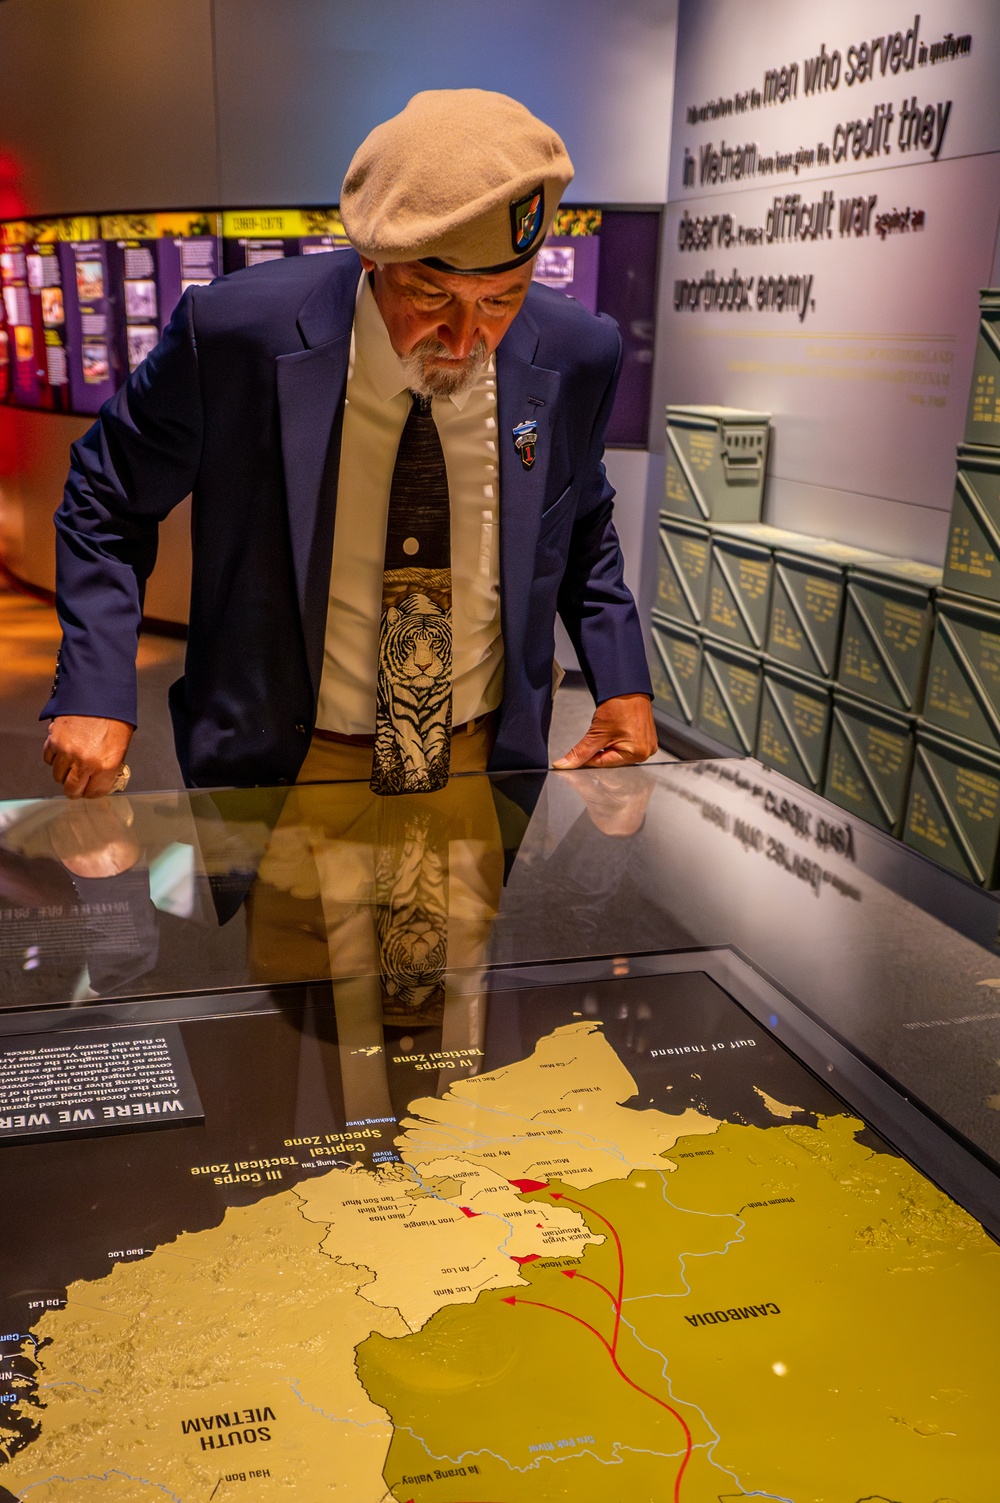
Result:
<point x="528" y="1258"/>
<point x="609" y="1348"/>
<point x="527" y="1185"/>
<point x="467" y="1212"/>
<point x="558" y="1195"/>
<point x="572" y="1273"/>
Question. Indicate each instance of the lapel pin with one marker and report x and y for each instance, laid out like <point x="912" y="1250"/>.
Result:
<point x="525" y="441"/>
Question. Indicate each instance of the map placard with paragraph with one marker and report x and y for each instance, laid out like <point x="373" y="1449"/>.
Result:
<point x="643" y="1254"/>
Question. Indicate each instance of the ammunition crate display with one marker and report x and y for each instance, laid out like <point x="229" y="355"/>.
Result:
<point x="982" y="424"/>
<point x="729" y="695"/>
<point x="682" y="570"/>
<point x="739" y="590"/>
<point x="972" y="560"/>
<point x="806" y="601"/>
<point x="716" y="458"/>
<point x="807" y="597"/>
<point x="675" y="669"/>
<point x="794" y="725"/>
<point x="963" y="679"/>
<point x="869" y="759"/>
<point x="886" y="635"/>
<point x="953" y="814"/>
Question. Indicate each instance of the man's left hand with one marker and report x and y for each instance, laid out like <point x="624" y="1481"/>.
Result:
<point x="622" y="732"/>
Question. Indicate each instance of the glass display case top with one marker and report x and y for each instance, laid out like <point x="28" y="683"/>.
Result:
<point x="515" y="1135"/>
<point x="200" y="893"/>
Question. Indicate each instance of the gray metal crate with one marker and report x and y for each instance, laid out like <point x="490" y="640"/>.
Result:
<point x="675" y="668"/>
<point x="982" y="423"/>
<point x="729" y="695"/>
<point x="793" y="730"/>
<point x="739" y="589"/>
<point x="869" y="760"/>
<point x="953" y="812"/>
<point x="963" y="680"/>
<point x="716" y="460"/>
<point x="972" y="560"/>
<point x="807" y="598"/>
<point x="886" y="636"/>
<point x="682" y="570"/>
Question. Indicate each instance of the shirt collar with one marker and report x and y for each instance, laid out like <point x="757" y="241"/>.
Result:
<point x="376" y="359"/>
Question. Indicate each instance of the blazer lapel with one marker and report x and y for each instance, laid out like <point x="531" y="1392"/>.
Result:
<point x="524" y="391"/>
<point x="311" y="387"/>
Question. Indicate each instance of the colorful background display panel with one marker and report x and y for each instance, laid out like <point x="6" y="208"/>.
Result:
<point x="86" y="299"/>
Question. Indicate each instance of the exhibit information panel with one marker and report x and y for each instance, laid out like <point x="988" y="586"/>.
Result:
<point x="447" y="1227"/>
<point x="834" y="176"/>
<point x="86" y="299"/>
<point x="637" y="1212"/>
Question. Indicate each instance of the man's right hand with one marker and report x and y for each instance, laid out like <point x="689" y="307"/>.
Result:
<point x="86" y="753"/>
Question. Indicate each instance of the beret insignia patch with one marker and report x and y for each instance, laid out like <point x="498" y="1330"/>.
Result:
<point x="526" y="218"/>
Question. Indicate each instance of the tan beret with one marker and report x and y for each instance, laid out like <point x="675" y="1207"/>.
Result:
<point x="463" y="179"/>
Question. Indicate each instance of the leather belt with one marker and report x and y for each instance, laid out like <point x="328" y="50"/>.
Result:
<point x="480" y="722"/>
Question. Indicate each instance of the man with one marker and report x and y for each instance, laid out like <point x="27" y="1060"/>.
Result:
<point x="323" y="412"/>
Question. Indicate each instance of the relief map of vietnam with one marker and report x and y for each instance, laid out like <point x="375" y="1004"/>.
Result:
<point x="651" y="1259"/>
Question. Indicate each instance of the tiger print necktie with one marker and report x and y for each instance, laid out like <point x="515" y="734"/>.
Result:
<point x="413" y="690"/>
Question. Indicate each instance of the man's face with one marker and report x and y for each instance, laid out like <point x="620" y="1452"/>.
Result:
<point x="444" y="326"/>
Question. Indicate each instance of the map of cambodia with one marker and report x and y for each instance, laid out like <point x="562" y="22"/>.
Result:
<point x="552" y="1293"/>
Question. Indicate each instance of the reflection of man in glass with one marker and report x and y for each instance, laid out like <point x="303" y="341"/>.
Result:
<point x="393" y="899"/>
<point x="395" y="888"/>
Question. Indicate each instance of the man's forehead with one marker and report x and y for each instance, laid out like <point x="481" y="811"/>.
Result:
<point x="415" y="275"/>
<point x="420" y="278"/>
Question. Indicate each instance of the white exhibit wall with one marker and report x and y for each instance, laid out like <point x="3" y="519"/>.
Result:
<point x="833" y="205"/>
<point x="299" y="83"/>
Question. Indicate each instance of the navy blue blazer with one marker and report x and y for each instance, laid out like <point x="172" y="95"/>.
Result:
<point x="242" y="404"/>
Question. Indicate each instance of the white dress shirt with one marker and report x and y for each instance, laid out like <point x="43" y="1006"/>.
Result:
<point x="376" y="410"/>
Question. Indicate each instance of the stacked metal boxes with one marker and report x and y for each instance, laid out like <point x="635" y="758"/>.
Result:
<point x="715" y="464"/>
<point x="804" y="626"/>
<point x="807" y="653"/>
<point x="881" y="672"/>
<point x="875" y="680"/>
<point x="954" y="806"/>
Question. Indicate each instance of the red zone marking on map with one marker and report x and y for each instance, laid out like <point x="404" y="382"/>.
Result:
<point x="526" y="1186"/>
